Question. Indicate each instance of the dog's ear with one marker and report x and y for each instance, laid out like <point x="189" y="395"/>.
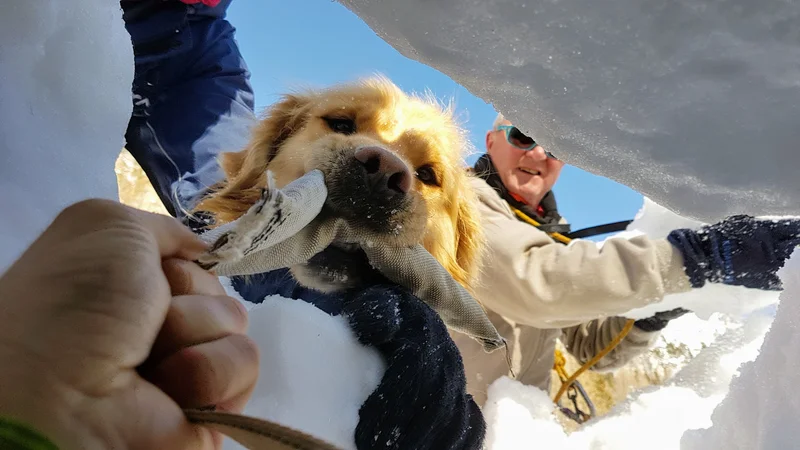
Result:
<point x="469" y="239"/>
<point x="245" y="171"/>
<point x="464" y="264"/>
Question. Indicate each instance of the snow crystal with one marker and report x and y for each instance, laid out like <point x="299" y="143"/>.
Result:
<point x="65" y="82"/>
<point x="692" y="103"/>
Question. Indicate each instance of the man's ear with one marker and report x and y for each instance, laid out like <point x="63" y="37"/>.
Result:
<point x="489" y="139"/>
<point x="245" y="171"/>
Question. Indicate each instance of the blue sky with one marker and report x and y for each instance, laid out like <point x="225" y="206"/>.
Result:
<point x="320" y="42"/>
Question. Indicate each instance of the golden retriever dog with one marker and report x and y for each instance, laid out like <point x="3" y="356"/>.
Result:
<point x="393" y="165"/>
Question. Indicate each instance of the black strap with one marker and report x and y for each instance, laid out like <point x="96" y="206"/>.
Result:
<point x="599" y="229"/>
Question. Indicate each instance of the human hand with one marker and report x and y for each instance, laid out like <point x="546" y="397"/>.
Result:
<point x="107" y="330"/>
<point x="741" y="250"/>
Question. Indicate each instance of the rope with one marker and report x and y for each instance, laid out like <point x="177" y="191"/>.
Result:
<point x="559" y="364"/>
<point x="566" y="384"/>
<point x="525" y="218"/>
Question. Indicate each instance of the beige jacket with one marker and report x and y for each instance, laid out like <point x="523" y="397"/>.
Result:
<point x="537" y="290"/>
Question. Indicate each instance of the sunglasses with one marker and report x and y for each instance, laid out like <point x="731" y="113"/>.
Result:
<point x="520" y="140"/>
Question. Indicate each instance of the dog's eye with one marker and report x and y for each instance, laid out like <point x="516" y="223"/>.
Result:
<point x="427" y="175"/>
<point x="343" y="126"/>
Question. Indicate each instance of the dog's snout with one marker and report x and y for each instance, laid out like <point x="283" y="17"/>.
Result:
<point x="371" y="187"/>
<point x="386" y="168"/>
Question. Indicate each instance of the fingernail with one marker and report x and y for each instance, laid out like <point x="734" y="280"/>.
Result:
<point x="238" y="313"/>
<point x="197" y="247"/>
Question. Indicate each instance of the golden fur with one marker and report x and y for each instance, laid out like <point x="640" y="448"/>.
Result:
<point x="295" y="136"/>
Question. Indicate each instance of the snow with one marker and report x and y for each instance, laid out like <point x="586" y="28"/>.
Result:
<point x="762" y="408"/>
<point x="313" y="373"/>
<point x="65" y="82"/>
<point x="692" y="103"/>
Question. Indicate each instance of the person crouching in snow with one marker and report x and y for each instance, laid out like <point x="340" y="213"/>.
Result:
<point x="536" y="289"/>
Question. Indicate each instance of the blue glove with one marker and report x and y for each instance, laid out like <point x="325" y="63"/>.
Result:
<point x="421" y="402"/>
<point x="739" y="251"/>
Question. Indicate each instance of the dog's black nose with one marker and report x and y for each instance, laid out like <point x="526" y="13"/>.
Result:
<point x="385" y="170"/>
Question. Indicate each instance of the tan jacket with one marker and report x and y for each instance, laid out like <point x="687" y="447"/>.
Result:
<point x="537" y="290"/>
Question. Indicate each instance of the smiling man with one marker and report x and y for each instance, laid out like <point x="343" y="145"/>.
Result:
<point x="536" y="289"/>
<point x="525" y="169"/>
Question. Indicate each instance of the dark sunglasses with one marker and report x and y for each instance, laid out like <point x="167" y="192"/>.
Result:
<point x="519" y="140"/>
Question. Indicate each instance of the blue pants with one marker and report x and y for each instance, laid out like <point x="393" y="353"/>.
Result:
<point x="192" y="98"/>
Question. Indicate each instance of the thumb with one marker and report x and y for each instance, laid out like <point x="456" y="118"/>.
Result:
<point x="174" y="240"/>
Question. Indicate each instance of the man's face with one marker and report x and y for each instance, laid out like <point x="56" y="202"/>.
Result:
<point x="527" y="173"/>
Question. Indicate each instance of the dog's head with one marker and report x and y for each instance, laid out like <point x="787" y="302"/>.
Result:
<point x="393" y="166"/>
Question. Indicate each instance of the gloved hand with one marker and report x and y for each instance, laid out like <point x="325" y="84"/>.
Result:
<point x="421" y="402"/>
<point x="740" y="251"/>
<point x="659" y="320"/>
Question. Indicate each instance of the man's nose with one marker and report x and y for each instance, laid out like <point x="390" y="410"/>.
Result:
<point x="537" y="153"/>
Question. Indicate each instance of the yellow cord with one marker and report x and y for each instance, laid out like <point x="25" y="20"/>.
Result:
<point x="525" y="218"/>
<point x="560" y="361"/>
<point x="566" y="384"/>
<point x="560" y="366"/>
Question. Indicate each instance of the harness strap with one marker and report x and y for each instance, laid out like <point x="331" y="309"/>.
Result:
<point x="599" y="229"/>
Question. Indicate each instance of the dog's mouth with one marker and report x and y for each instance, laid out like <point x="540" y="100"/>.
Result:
<point x="340" y="266"/>
<point x="362" y="193"/>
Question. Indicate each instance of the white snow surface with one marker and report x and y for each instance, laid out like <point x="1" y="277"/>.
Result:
<point x="65" y="82"/>
<point x="762" y="408"/>
<point x="313" y="373"/>
<point x="693" y="103"/>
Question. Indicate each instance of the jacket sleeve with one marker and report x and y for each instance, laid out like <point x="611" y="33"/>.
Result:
<point x="586" y="340"/>
<point x="532" y="280"/>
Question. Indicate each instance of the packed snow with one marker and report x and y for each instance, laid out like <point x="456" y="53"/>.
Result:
<point x="313" y="373"/>
<point x="763" y="405"/>
<point x="693" y="103"/>
<point x="65" y="82"/>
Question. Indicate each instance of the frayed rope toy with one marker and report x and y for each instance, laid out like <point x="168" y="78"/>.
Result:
<point x="283" y="229"/>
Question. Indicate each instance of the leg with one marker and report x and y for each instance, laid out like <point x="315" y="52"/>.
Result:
<point x="192" y="102"/>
